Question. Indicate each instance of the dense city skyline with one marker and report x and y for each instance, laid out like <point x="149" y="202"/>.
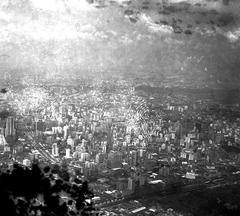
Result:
<point x="127" y="142"/>
<point x="117" y="108"/>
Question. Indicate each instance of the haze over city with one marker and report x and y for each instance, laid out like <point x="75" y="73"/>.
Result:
<point x="120" y="107"/>
<point x="193" y="43"/>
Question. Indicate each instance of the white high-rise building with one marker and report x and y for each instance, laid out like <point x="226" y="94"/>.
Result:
<point x="55" y="151"/>
<point x="65" y="132"/>
<point x="10" y="127"/>
<point x="68" y="153"/>
<point x="141" y="151"/>
<point x="70" y="142"/>
<point x="3" y="141"/>
<point x="7" y="148"/>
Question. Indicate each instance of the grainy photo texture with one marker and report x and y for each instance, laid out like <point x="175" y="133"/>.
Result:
<point x="120" y="107"/>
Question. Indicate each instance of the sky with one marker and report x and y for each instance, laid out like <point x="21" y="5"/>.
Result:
<point x="191" y="43"/>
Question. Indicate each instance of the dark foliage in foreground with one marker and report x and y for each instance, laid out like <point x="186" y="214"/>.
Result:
<point x="3" y="90"/>
<point x="35" y="191"/>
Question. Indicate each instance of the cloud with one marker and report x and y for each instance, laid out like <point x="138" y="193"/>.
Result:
<point x="48" y="26"/>
<point x="62" y="5"/>
<point x="153" y="27"/>
<point x="5" y="16"/>
<point x="233" y="36"/>
<point x="86" y="27"/>
<point x="126" y="40"/>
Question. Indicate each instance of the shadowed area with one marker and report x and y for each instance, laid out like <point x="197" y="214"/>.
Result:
<point x="37" y="191"/>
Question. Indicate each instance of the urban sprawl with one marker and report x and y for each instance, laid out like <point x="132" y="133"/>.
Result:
<point x="129" y="144"/>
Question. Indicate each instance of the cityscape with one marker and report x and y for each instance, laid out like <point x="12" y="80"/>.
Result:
<point x="117" y="108"/>
<point x="127" y="143"/>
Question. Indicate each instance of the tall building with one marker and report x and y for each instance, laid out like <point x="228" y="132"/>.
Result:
<point x="130" y="184"/>
<point x="10" y="127"/>
<point x="109" y="138"/>
<point x="68" y="153"/>
<point x="2" y="131"/>
<point x="141" y="152"/>
<point x="65" y="131"/>
<point x="55" y="151"/>
<point x="70" y="142"/>
<point x="84" y="156"/>
<point x="3" y="142"/>
<point x="133" y="158"/>
<point x="142" y="180"/>
<point x="99" y="158"/>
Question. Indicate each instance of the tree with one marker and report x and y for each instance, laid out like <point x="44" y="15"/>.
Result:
<point x="4" y="114"/>
<point x="36" y="191"/>
<point x="3" y="90"/>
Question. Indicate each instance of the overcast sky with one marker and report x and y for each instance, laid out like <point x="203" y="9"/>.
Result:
<point x="192" y="42"/>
